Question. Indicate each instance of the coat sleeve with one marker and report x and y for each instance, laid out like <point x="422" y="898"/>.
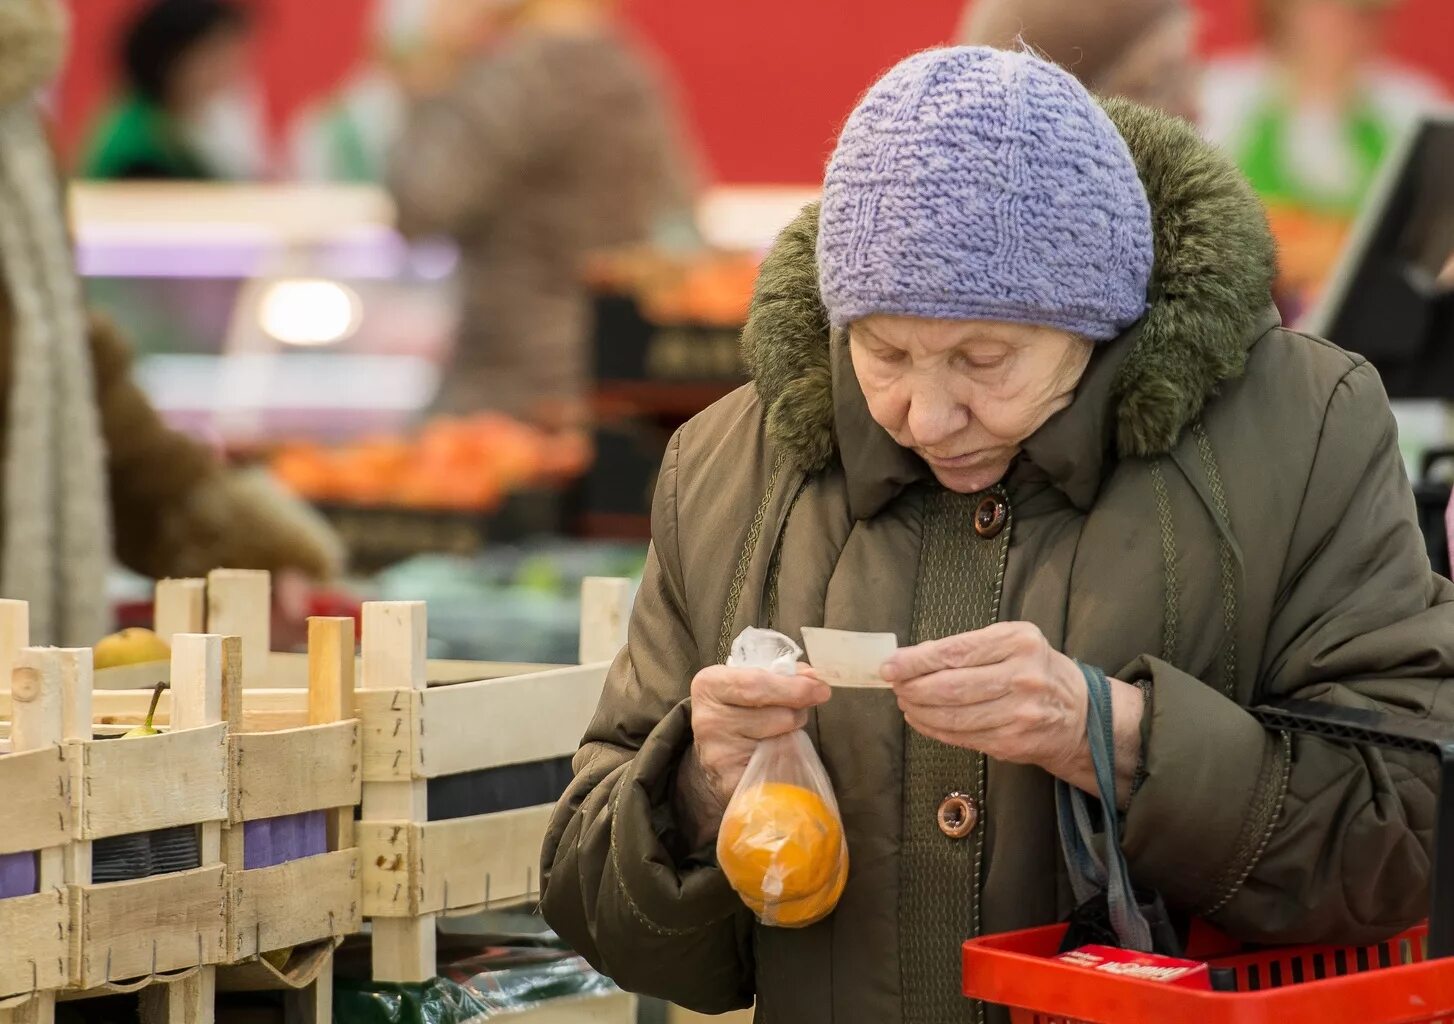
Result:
<point x="1295" y="839"/>
<point x="618" y="883"/>
<point x="176" y="509"/>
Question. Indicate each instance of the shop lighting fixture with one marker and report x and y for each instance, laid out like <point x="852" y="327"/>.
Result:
<point x="309" y="311"/>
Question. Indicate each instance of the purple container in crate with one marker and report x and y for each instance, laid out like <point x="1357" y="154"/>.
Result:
<point x="18" y="875"/>
<point x="287" y="838"/>
<point x="315" y="833"/>
<point x="257" y="844"/>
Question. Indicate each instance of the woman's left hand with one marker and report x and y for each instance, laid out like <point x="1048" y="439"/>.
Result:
<point x="1005" y="692"/>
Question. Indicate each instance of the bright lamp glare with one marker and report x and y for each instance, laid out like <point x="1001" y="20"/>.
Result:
<point x="309" y="311"/>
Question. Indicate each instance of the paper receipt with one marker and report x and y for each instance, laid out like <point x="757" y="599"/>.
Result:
<point x="846" y="658"/>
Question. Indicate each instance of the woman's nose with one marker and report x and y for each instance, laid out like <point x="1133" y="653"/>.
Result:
<point x="934" y="417"/>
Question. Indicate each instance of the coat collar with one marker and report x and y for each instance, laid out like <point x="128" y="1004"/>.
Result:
<point x="1209" y="301"/>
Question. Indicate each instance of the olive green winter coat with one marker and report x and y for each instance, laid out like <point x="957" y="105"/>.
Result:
<point x="1222" y="511"/>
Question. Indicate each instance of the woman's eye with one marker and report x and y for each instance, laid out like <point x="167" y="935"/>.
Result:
<point x="962" y="361"/>
<point x="890" y="355"/>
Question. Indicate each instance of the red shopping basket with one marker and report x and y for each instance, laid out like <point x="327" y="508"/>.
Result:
<point x="1404" y="980"/>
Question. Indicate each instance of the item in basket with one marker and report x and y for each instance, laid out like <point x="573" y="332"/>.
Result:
<point x="313" y="833"/>
<point x="287" y="839"/>
<point x="130" y="647"/>
<point x="1164" y="970"/>
<point x="257" y="844"/>
<point x="174" y="849"/>
<point x="17" y="874"/>
<point x="147" y="728"/>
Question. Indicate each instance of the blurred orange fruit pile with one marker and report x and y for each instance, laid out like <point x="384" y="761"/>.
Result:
<point x="714" y="289"/>
<point x="782" y="848"/>
<point x="466" y="463"/>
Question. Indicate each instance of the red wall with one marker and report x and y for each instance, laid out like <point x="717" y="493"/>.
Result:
<point x="765" y="82"/>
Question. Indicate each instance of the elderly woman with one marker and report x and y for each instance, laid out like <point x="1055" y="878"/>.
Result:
<point x="1020" y="398"/>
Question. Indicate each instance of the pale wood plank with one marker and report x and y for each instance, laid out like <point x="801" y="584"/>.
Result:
<point x="302" y="901"/>
<point x="394" y="640"/>
<point x="239" y="603"/>
<point x="507" y="721"/>
<point x="38" y="698"/>
<point x="309" y="769"/>
<point x="34" y="942"/>
<point x="605" y="611"/>
<point x="234" y="707"/>
<point x="391" y="720"/>
<point x="14" y="635"/>
<point x="196" y="680"/>
<point x="180" y="606"/>
<point x="151" y="782"/>
<point x="330" y="669"/>
<point x="167" y="923"/>
<point x="405" y="949"/>
<point x="189" y="1000"/>
<point x="38" y="1009"/>
<point x="389" y="852"/>
<point x="34" y="790"/>
<point x="482" y="860"/>
<point x="312" y="1004"/>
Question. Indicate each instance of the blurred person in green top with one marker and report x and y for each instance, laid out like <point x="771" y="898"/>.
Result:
<point x="183" y="115"/>
<point x="1310" y="119"/>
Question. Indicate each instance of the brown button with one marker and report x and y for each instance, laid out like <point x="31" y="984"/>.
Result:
<point x="957" y="816"/>
<point x="991" y="516"/>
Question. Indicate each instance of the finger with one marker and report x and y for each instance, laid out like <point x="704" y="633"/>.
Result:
<point x="758" y="688"/>
<point x="765" y="723"/>
<point x="974" y="719"/>
<point x="963" y="650"/>
<point x="956" y="687"/>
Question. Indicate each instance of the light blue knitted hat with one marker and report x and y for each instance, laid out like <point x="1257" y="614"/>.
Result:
<point x="980" y="184"/>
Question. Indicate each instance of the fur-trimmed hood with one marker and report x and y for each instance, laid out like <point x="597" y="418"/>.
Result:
<point x="1209" y="301"/>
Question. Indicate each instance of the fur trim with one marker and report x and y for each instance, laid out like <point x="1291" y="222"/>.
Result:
<point x="32" y="46"/>
<point x="1211" y="286"/>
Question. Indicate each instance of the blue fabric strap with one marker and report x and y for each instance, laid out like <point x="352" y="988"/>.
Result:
<point x="1089" y="873"/>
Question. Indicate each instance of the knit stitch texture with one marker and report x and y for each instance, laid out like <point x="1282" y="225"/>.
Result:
<point x="979" y="184"/>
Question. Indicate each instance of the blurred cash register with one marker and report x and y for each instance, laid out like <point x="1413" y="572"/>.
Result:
<point x="1391" y="300"/>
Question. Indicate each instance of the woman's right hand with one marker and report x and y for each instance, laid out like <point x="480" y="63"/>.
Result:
<point x="732" y="710"/>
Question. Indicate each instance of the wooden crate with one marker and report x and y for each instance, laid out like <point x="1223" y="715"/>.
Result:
<point x="35" y="778"/>
<point x="415" y="868"/>
<point x="163" y="934"/>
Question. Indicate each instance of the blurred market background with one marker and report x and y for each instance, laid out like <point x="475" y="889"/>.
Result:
<point x="454" y="269"/>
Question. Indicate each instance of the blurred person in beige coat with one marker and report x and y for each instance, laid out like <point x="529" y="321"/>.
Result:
<point x="539" y="135"/>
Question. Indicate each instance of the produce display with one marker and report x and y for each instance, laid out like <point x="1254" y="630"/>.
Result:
<point x="130" y="647"/>
<point x="711" y="290"/>
<point x="453" y="463"/>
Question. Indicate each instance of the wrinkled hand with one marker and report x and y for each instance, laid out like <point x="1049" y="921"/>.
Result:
<point x="1005" y="692"/>
<point x="1002" y="690"/>
<point x="733" y="709"/>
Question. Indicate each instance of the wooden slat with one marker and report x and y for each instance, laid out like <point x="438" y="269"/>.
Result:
<point x="196" y="680"/>
<point x="150" y="782"/>
<point x="37" y="803"/>
<point x="180" y="607"/>
<point x="507" y="721"/>
<point x="239" y="603"/>
<point x="605" y="609"/>
<point x="126" y="708"/>
<point x="169" y="922"/>
<point x="291" y="904"/>
<point x="14" y="636"/>
<point x="389" y="853"/>
<point x="34" y="942"/>
<point x="391" y="722"/>
<point x="411" y="869"/>
<point x="331" y="665"/>
<point x="308" y="769"/>
<point x="189" y="1000"/>
<point x="486" y="859"/>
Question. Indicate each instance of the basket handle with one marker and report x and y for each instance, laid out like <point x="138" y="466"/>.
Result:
<point x="1390" y="731"/>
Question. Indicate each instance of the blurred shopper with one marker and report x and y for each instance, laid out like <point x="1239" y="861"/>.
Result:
<point x="1310" y="118"/>
<point x="89" y="468"/>
<point x="553" y="142"/>
<point x="348" y="136"/>
<point x="1143" y="50"/>
<point x="188" y="110"/>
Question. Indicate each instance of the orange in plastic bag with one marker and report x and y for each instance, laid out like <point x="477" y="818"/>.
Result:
<point x="781" y="844"/>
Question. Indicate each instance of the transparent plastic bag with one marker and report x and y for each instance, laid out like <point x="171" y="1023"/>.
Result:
<point x="781" y="844"/>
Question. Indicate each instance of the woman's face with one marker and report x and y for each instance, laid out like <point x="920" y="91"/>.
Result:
<point x="964" y="394"/>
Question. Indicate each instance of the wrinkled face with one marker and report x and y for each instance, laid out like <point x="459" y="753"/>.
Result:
<point x="964" y="394"/>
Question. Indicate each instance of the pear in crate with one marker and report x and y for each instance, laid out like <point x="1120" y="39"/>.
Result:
<point x="130" y="647"/>
<point x="146" y="728"/>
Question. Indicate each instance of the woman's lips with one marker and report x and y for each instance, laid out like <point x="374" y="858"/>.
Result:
<point x="956" y="462"/>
